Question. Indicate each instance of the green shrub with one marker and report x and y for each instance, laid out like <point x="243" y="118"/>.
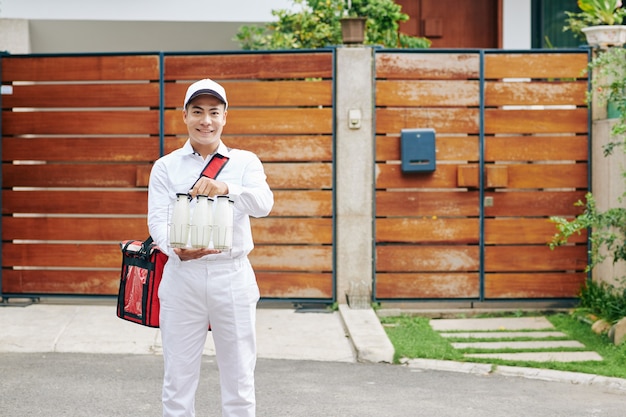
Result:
<point x="316" y="24"/>
<point x="604" y="300"/>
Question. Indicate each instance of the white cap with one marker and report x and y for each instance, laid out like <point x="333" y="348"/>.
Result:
<point x="205" y="86"/>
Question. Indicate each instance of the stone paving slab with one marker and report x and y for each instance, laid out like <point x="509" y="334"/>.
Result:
<point x="502" y="335"/>
<point x="540" y="356"/>
<point x="74" y="328"/>
<point x="486" y="324"/>
<point x="540" y="344"/>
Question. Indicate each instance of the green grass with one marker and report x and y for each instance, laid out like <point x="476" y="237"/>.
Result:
<point x="412" y="337"/>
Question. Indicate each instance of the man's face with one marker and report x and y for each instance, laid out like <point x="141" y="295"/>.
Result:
<point x="205" y="118"/>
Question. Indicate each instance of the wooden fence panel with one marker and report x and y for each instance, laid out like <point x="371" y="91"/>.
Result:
<point x="427" y="225"/>
<point x="280" y="107"/>
<point x="80" y="134"/>
<point x="77" y="131"/>
<point x="534" y="153"/>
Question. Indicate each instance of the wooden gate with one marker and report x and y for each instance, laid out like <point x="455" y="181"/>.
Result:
<point x="80" y="133"/>
<point x="79" y="136"/>
<point x="512" y="150"/>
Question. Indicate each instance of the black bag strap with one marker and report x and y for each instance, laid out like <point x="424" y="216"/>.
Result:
<point x="145" y="246"/>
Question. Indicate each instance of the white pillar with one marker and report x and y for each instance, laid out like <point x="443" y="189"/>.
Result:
<point x="354" y="164"/>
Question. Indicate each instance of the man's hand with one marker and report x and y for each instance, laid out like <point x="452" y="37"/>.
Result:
<point x="187" y="254"/>
<point x="208" y="186"/>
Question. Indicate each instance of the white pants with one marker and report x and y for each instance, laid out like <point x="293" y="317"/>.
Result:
<point x="192" y="294"/>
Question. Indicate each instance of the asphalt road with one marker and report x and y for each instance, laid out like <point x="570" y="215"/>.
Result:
<point x="85" y="385"/>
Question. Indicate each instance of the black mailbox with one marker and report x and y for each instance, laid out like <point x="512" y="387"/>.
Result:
<point x="417" y="150"/>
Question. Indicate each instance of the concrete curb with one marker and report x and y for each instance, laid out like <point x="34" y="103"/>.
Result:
<point x="368" y="337"/>
<point x="613" y="384"/>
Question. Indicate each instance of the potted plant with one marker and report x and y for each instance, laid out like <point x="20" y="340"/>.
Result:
<point x="599" y="22"/>
<point x="352" y="26"/>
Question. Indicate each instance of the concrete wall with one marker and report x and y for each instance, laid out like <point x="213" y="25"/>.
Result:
<point x="82" y="36"/>
<point x="75" y="26"/>
<point x="608" y="186"/>
<point x="14" y="36"/>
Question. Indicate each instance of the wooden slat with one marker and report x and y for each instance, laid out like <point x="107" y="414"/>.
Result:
<point x="427" y="203"/>
<point x="449" y="148"/>
<point x="286" y="203"/>
<point x="302" y="231"/>
<point x="427" y="66"/>
<point x="536" y="121"/>
<point x="271" y="284"/>
<point x="263" y="121"/>
<point x="266" y="230"/>
<point x="79" y="123"/>
<point x="427" y="230"/>
<point x="547" y="176"/>
<point x="285" y="148"/>
<point x="535" y="203"/>
<point x="539" y="65"/>
<point x="70" y="175"/>
<point x="288" y="148"/>
<point x="408" y="286"/>
<point x="263" y="94"/>
<point x="536" y="148"/>
<point x="302" y="203"/>
<point x="279" y="175"/>
<point x="523" y="231"/>
<point x="391" y="176"/>
<point x="426" y="258"/>
<point x="535" y="93"/>
<point x="295" y="284"/>
<point x="67" y="228"/>
<point x="299" y="175"/>
<point x="249" y="66"/>
<point x="535" y="258"/>
<point x="83" y="95"/>
<point x="266" y="258"/>
<point x="80" y="202"/>
<point x="90" y="282"/>
<point x="393" y="120"/>
<point x="270" y="258"/>
<point x="80" y="68"/>
<point x="453" y="93"/>
<point x="534" y="285"/>
<point x="61" y="255"/>
<point x="126" y="149"/>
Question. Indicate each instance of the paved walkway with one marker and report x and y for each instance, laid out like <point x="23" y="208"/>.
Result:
<point x="343" y="336"/>
<point x="536" y="333"/>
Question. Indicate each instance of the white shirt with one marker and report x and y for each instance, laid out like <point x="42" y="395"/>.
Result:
<point x="179" y="170"/>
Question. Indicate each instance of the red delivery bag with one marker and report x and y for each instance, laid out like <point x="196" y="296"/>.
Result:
<point x="142" y="269"/>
